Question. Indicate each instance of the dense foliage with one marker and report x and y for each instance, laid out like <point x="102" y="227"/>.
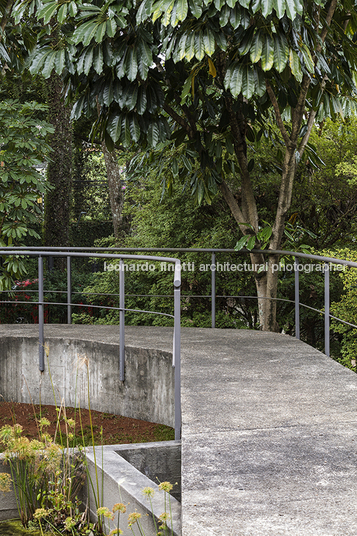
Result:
<point x="23" y="152"/>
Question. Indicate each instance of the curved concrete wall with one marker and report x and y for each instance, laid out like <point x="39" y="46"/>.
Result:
<point x="147" y="392"/>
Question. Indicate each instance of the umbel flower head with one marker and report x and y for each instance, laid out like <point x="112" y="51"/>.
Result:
<point x="133" y="518"/>
<point x="104" y="511"/>
<point x="166" y="486"/>
<point x="119" y="507"/>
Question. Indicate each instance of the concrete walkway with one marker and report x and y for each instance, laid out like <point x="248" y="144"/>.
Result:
<point x="269" y="437"/>
<point x="269" y="443"/>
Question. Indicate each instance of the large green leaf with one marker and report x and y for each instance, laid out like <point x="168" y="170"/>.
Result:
<point x="281" y="52"/>
<point x="98" y="59"/>
<point x="248" y="82"/>
<point x="257" y="48"/>
<point x="114" y="126"/>
<point x="267" y="7"/>
<point x="134" y="128"/>
<point x="224" y="16"/>
<point x="100" y="33"/>
<point x="196" y="8"/>
<point x="85" y="32"/>
<point x="143" y="68"/>
<point x="293" y="8"/>
<point x="180" y="51"/>
<point x="126" y="135"/>
<point x="60" y="61"/>
<point x="49" y="64"/>
<point x="260" y="86"/>
<point x="47" y="11"/>
<point x="199" y="46"/>
<point x="236" y="79"/>
<point x="190" y="46"/>
<point x="247" y="42"/>
<point x="131" y="64"/>
<point x="279" y="6"/>
<point x="267" y="58"/>
<point x="141" y="100"/>
<point x="72" y="9"/>
<point x="295" y="66"/>
<point x="167" y="13"/>
<point x="235" y="17"/>
<point x="108" y="94"/>
<point x="181" y="11"/>
<point x="62" y="13"/>
<point x="111" y="27"/>
<point x="309" y="62"/>
<point x="145" y="53"/>
<point x="132" y="97"/>
<point x="144" y="11"/>
<point x="153" y="135"/>
<point x="209" y="42"/>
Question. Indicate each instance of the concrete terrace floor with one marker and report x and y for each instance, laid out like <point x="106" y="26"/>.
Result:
<point x="269" y="444"/>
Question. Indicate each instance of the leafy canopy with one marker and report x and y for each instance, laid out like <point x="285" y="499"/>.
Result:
<point x="177" y="69"/>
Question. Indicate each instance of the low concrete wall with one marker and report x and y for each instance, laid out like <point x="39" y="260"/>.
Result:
<point x="147" y="392"/>
<point x="160" y="462"/>
<point x="122" y="482"/>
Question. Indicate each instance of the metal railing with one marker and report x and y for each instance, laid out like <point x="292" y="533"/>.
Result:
<point x="60" y="252"/>
<point x="116" y="253"/>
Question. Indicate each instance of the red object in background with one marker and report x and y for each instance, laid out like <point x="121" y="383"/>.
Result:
<point x="15" y="312"/>
<point x="21" y="310"/>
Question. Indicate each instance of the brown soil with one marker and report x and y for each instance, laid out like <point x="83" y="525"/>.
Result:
<point x="108" y="429"/>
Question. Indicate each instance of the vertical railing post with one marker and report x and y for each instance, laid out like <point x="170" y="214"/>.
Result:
<point x="122" y="321"/>
<point x="213" y="290"/>
<point x="177" y="349"/>
<point x="297" y="299"/>
<point x="69" y="291"/>
<point x="41" y="338"/>
<point x="327" y="309"/>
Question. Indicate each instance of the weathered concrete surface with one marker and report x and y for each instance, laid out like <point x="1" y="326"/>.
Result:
<point x="160" y="462"/>
<point x="122" y="482"/>
<point x="148" y="390"/>
<point x="269" y="437"/>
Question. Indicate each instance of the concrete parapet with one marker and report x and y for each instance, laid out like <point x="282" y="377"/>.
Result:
<point x="147" y="392"/>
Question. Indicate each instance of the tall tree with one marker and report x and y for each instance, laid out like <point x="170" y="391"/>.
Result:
<point x="213" y="75"/>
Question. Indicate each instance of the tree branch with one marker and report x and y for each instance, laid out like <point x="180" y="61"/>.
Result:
<point x="176" y="117"/>
<point x="329" y="16"/>
<point x="310" y="124"/>
<point x="233" y="205"/>
<point x="279" y="120"/>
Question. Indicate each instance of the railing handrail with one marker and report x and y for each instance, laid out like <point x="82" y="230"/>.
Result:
<point x="63" y="251"/>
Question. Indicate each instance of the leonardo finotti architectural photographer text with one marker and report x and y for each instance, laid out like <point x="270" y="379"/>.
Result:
<point x="222" y="267"/>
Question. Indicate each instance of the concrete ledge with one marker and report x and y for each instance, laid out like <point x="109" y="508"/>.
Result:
<point x="148" y="390"/>
<point x="122" y="482"/>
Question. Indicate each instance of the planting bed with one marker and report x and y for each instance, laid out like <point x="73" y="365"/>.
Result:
<point x="108" y="428"/>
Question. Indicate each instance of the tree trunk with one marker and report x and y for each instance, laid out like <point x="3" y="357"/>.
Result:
<point x="57" y="203"/>
<point x="116" y="193"/>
